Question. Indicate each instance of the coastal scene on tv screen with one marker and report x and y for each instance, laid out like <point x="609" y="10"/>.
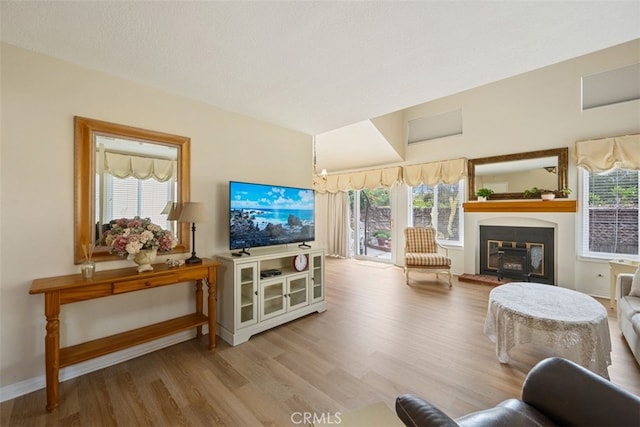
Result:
<point x="265" y="215"/>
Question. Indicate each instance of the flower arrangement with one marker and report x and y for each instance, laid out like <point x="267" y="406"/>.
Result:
<point x="127" y="237"/>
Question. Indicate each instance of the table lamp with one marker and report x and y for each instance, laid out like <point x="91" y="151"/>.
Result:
<point x="167" y="208"/>
<point x="193" y="212"/>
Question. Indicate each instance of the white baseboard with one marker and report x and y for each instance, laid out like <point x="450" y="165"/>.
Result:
<point x="32" y="384"/>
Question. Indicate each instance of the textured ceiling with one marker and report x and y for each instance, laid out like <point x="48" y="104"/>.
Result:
<point x="316" y="66"/>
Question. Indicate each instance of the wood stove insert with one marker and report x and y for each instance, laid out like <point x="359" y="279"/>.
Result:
<point x="522" y="253"/>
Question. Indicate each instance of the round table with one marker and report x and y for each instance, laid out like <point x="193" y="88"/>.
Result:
<point x="574" y="325"/>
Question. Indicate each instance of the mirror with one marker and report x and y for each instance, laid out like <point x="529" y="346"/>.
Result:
<point x="510" y="175"/>
<point x="122" y="171"/>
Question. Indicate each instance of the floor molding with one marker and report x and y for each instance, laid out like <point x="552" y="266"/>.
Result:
<point x="32" y="384"/>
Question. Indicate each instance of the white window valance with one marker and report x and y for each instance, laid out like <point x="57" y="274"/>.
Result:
<point x="600" y="155"/>
<point x="443" y="172"/>
<point x="370" y="179"/>
<point x="125" y="165"/>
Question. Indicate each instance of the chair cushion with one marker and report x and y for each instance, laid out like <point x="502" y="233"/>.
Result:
<point x="635" y="323"/>
<point x="629" y="306"/>
<point x="426" y="260"/>
<point x="635" y="284"/>
<point x="511" y="412"/>
<point x="420" y="239"/>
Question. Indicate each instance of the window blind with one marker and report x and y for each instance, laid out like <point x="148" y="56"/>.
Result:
<point x="610" y="213"/>
<point x="131" y="197"/>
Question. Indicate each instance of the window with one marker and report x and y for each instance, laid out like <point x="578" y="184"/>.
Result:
<point x="610" y="214"/>
<point x="441" y="207"/>
<point x="129" y="197"/>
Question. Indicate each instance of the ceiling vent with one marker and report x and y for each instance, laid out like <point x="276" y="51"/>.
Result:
<point x="611" y="87"/>
<point x="434" y="127"/>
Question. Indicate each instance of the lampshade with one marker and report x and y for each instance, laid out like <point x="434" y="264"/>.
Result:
<point x="174" y="213"/>
<point x="167" y="208"/>
<point x="193" y="212"/>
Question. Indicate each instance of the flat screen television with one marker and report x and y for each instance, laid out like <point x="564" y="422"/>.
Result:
<point x="266" y="215"/>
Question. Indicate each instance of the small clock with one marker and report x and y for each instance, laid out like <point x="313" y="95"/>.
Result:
<point x="300" y="262"/>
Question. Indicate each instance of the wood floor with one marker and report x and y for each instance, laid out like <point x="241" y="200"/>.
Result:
<point x="378" y="339"/>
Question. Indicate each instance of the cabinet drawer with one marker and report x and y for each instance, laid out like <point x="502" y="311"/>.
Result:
<point x="143" y="283"/>
<point x="192" y="275"/>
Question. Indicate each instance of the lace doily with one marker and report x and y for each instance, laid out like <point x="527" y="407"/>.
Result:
<point x="573" y="324"/>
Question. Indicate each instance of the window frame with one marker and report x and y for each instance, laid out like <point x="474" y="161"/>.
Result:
<point x="461" y="193"/>
<point x="583" y="250"/>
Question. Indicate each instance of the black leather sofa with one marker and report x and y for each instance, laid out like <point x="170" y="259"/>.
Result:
<point x="556" y="392"/>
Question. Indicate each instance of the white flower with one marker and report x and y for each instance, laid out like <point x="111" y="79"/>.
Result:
<point x="134" y="247"/>
<point x="146" y="236"/>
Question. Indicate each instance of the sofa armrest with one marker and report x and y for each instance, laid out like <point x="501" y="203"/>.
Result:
<point x="415" y="411"/>
<point x="623" y="285"/>
<point x="569" y="394"/>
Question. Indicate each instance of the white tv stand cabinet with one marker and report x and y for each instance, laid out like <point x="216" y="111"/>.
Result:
<point x="249" y="304"/>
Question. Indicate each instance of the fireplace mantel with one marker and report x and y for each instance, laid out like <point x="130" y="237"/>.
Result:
<point x="562" y="205"/>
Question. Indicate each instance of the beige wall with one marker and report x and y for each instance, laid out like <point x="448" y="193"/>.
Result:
<point x="533" y="111"/>
<point x="40" y="96"/>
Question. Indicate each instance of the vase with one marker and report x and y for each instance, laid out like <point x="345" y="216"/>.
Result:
<point x="88" y="268"/>
<point x="547" y="196"/>
<point x="144" y="259"/>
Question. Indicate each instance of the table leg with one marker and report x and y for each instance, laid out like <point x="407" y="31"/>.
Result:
<point x="52" y="347"/>
<point x="199" y="304"/>
<point x="612" y="287"/>
<point x="211" y="307"/>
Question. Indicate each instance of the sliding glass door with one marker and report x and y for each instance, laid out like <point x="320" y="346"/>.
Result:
<point x="371" y="224"/>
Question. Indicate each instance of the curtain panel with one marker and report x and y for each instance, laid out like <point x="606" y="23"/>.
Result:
<point x="332" y="223"/>
<point x="444" y="172"/>
<point x="125" y="165"/>
<point x="600" y="155"/>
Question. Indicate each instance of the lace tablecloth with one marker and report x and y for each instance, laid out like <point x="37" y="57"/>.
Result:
<point x="572" y="324"/>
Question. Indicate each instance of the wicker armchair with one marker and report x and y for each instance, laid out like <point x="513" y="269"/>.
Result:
<point x="421" y="252"/>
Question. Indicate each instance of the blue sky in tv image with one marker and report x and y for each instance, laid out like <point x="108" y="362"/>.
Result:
<point x="264" y="215"/>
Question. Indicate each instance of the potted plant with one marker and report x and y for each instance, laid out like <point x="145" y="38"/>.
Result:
<point x="484" y="193"/>
<point x="382" y="236"/>
<point x="545" y="194"/>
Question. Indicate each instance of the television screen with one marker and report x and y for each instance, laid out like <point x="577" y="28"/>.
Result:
<point x="265" y="215"/>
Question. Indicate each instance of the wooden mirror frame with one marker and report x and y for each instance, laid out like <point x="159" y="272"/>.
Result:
<point x="563" y="160"/>
<point x="84" y="185"/>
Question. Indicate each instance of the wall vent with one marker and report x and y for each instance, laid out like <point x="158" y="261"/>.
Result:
<point x="433" y="127"/>
<point x="611" y="87"/>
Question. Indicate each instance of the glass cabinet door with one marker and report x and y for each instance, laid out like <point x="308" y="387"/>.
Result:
<point x="272" y="295"/>
<point x="247" y="298"/>
<point x="317" y="278"/>
<point x="298" y="291"/>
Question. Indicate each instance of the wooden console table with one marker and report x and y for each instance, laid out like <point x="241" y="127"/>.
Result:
<point x="74" y="288"/>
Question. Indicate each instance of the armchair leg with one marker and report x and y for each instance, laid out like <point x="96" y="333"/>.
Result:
<point x="437" y="273"/>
